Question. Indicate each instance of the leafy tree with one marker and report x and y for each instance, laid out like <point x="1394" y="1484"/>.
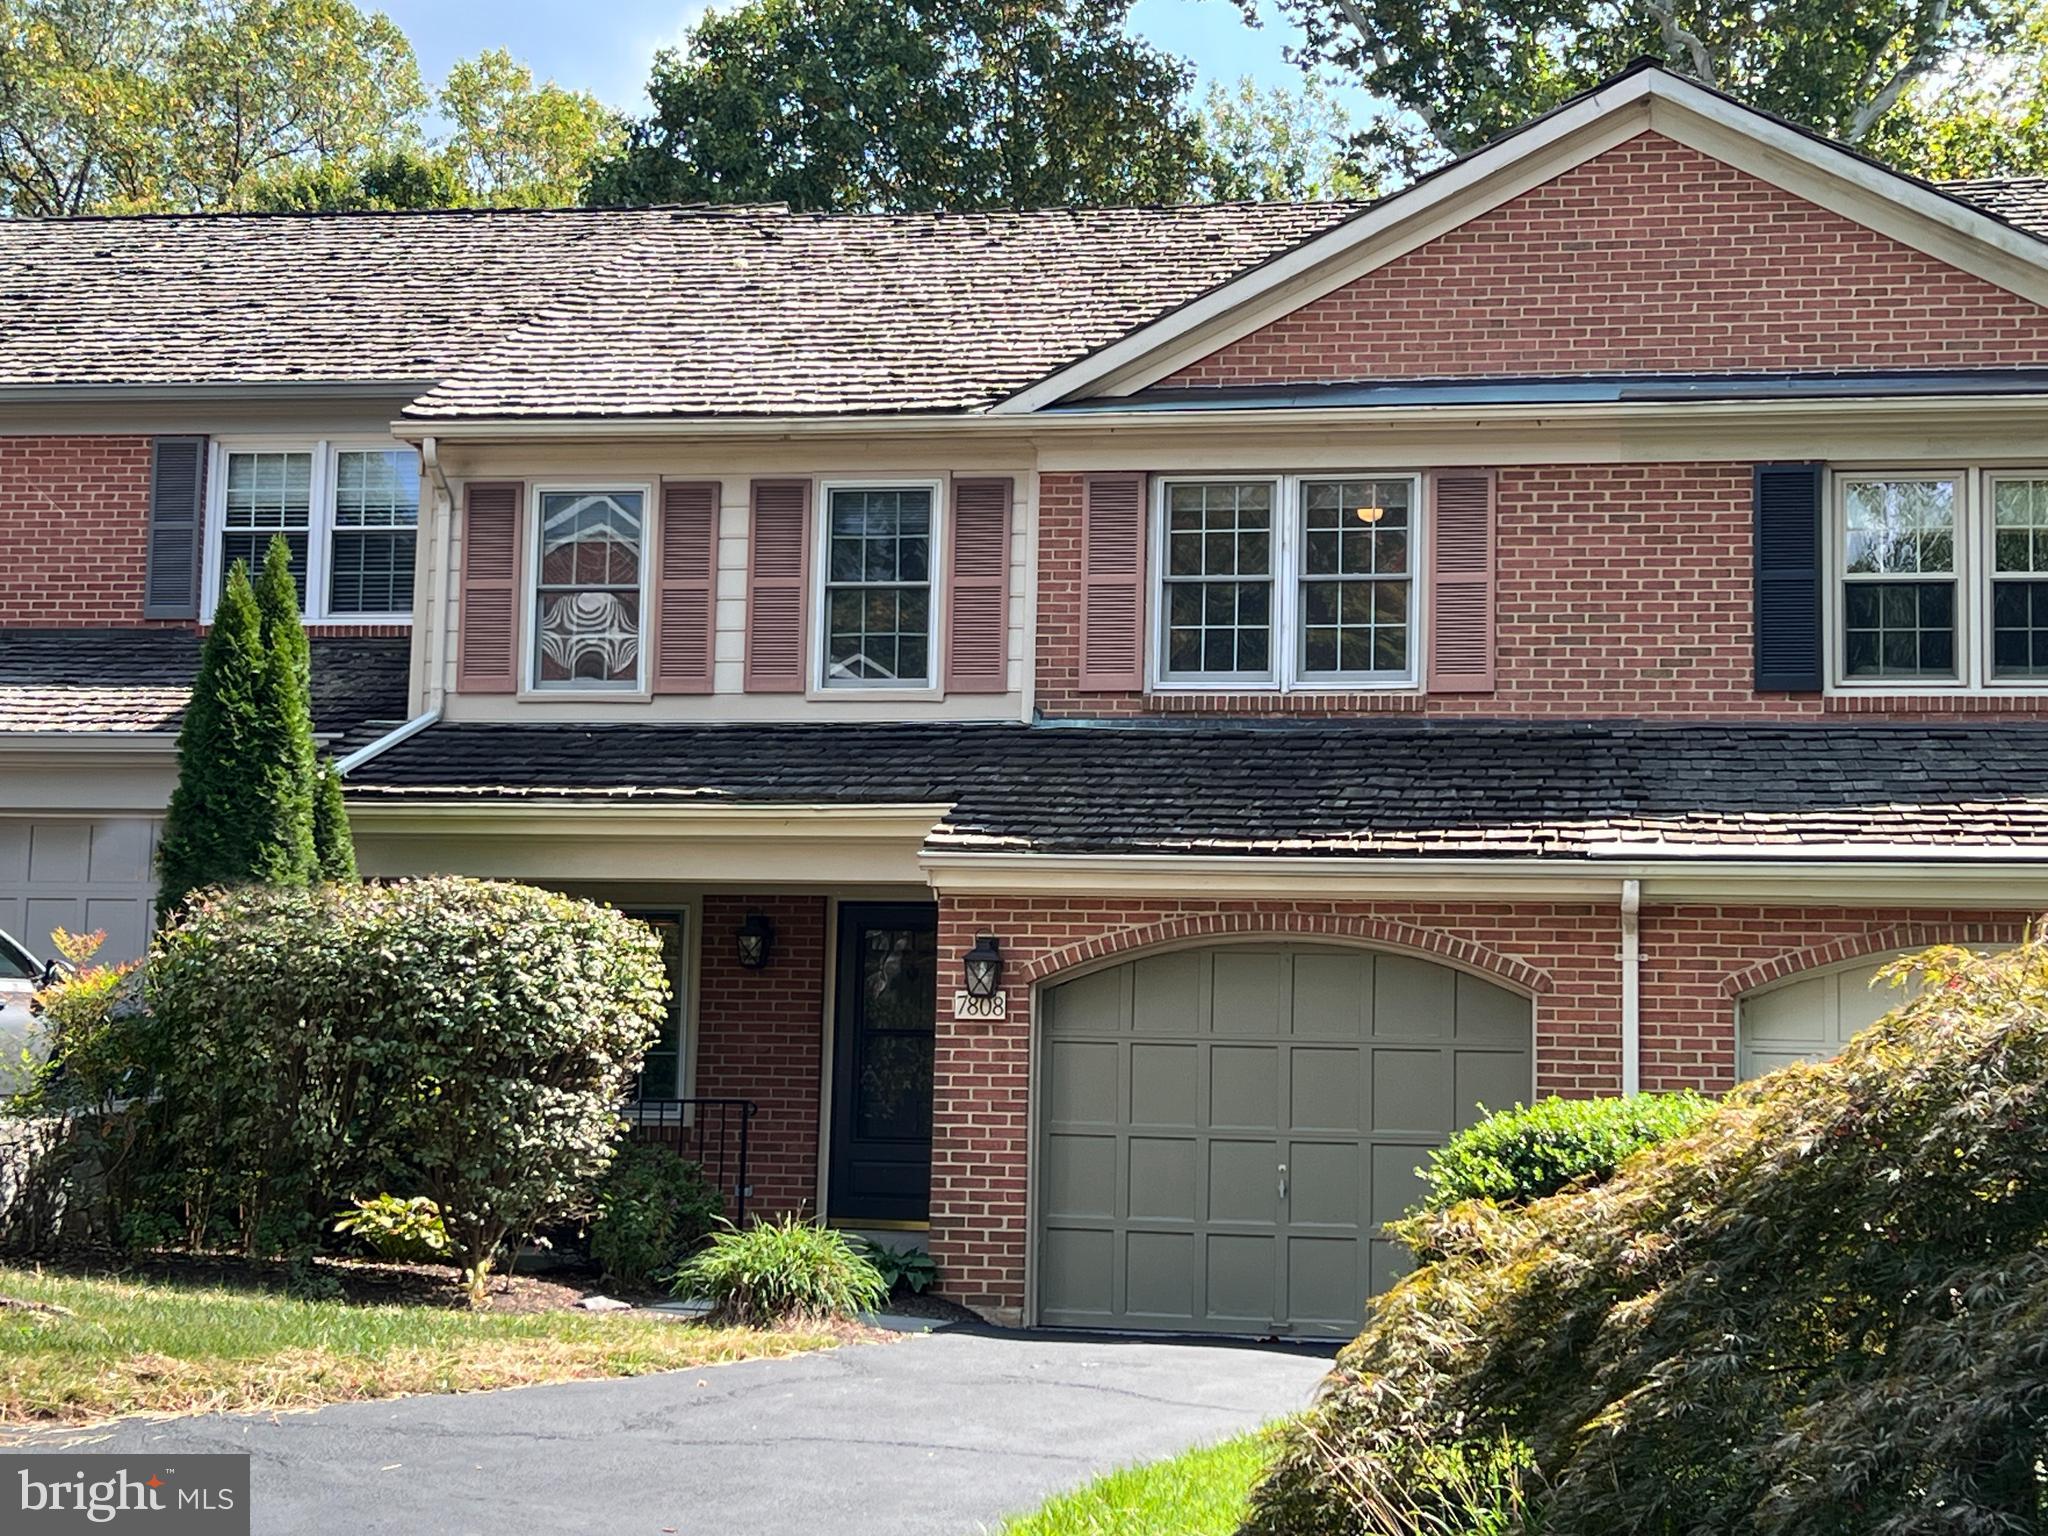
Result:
<point x="1278" y="145"/>
<point x="403" y="178"/>
<point x="874" y="104"/>
<point x="1990" y="119"/>
<point x="334" y="847"/>
<point x="1459" y="73"/>
<point x="1819" y="1311"/>
<point x="517" y="144"/>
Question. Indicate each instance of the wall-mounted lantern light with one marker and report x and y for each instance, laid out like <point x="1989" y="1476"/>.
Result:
<point x="984" y="965"/>
<point x="756" y="936"/>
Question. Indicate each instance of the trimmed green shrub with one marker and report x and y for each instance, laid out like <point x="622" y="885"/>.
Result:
<point x="467" y="1039"/>
<point x="780" y="1271"/>
<point x="1519" y="1154"/>
<point x="902" y="1269"/>
<point x="654" y="1207"/>
<point x="395" y="1228"/>
<point x="1820" y="1311"/>
<point x="334" y="848"/>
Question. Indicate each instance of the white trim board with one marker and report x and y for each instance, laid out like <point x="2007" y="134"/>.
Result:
<point x="1649" y="100"/>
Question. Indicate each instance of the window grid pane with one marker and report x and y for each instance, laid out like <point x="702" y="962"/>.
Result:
<point x="267" y="495"/>
<point x="587" y="592"/>
<point x="376" y="507"/>
<point x="1356" y="581"/>
<point x="1899" y="629"/>
<point x="1900" y="527"/>
<point x="878" y="586"/>
<point x="1219" y="577"/>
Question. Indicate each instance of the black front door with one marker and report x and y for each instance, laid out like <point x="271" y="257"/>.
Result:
<point x="886" y="1003"/>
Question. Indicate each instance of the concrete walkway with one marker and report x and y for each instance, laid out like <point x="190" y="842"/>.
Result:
<point x="942" y="1434"/>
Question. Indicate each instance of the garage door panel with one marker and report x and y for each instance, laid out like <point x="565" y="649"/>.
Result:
<point x="1323" y="1183"/>
<point x="1166" y="1085"/>
<point x="1325" y="1091"/>
<point x="1163" y="1183"/>
<point x="1408" y="1091"/>
<point x="1345" y="1066"/>
<point x="1412" y="999"/>
<point x="1166" y="996"/>
<point x="78" y="873"/>
<point x="1249" y="994"/>
<point x="1092" y="1005"/>
<point x="1244" y="1087"/>
<point x="1081" y="1082"/>
<point x="60" y="851"/>
<point x="1160" y="1273"/>
<point x="1323" y="1283"/>
<point x="120" y="850"/>
<point x="1242" y="1277"/>
<point x="1080" y="1176"/>
<point x="1075" y="1267"/>
<point x="1496" y="1080"/>
<point x="1244" y="1181"/>
<point x="1332" y="995"/>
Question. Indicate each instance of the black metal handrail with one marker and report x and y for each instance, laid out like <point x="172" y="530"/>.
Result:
<point x="712" y="1133"/>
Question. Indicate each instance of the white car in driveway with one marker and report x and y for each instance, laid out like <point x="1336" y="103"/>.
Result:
<point x="21" y="973"/>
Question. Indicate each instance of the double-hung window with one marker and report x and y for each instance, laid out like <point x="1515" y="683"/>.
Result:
<point x="1941" y="580"/>
<point x="1295" y="582"/>
<point x="349" y="514"/>
<point x="880" y="549"/>
<point x="589" y="598"/>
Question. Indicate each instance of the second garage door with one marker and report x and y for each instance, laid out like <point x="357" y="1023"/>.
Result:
<point x="1223" y="1131"/>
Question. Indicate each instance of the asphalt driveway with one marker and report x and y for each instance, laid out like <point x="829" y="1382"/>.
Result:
<point x="942" y="1434"/>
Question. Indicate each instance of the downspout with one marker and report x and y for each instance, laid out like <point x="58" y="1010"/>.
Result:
<point x="1631" y="988"/>
<point x="430" y="613"/>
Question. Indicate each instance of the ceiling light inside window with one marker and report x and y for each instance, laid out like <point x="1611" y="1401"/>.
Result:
<point x="1370" y="514"/>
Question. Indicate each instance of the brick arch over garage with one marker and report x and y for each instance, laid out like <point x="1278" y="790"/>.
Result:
<point x="1360" y="931"/>
<point x="1865" y="945"/>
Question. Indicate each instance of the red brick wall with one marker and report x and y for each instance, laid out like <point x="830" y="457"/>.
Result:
<point x="761" y="1036"/>
<point x="1621" y="591"/>
<point x="1649" y="258"/>
<point x="75" y="515"/>
<point x="1694" y="962"/>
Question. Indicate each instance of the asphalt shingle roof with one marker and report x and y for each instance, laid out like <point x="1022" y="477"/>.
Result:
<point x="93" y="681"/>
<point x="2021" y="200"/>
<point x="655" y="311"/>
<point x="1356" y="788"/>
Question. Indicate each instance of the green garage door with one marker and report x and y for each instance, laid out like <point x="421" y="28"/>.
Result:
<point x="1224" y="1130"/>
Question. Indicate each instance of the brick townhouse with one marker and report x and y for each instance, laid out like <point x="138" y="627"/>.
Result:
<point x="1135" y="723"/>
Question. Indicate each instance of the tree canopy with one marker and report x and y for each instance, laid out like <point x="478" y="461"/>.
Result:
<point x="1869" y="72"/>
<point x="876" y="104"/>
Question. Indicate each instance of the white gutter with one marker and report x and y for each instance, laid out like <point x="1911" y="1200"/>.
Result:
<point x="1631" y="988"/>
<point x="387" y="741"/>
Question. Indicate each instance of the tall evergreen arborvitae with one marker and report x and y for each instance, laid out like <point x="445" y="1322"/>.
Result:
<point x="283" y="759"/>
<point x="333" y="844"/>
<point x="242" y="812"/>
<point x="208" y="838"/>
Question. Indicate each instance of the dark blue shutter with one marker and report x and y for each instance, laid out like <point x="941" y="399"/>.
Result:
<point x="1788" y="577"/>
<point x="177" y="518"/>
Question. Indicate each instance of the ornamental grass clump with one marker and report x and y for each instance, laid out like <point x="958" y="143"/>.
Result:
<point x="1824" y="1309"/>
<point x="776" y="1272"/>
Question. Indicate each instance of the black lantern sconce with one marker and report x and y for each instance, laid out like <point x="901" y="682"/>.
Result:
<point x="984" y="965"/>
<point x="755" y="937"/>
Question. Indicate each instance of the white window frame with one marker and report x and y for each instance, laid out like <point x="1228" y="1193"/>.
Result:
<point x="319" y="520"/>
<point x="821" y="685"/>
<point x="1973" y="576"/>
<point x="1290" y="557"/>
<point x="530" y="685"/>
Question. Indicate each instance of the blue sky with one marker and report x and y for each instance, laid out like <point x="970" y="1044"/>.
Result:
<point x="605" y="45"/>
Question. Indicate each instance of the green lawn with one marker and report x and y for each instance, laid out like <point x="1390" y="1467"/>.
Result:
<point x="1200" y="1493"/>
<point x="134" y="1346"/>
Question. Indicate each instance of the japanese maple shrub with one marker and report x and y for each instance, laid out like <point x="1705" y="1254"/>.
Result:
<point x="459" y="1039"/>
<point x="1821" y="1310"/>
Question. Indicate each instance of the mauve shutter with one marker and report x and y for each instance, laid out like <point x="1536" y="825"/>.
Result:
<point x="778" y="556"/>
<point x="1461" y="581"/>
<point x="1788" y="576"/>
<point x="1113" y="583"/>
<point x="487" y="617"/>
<point x="177" y="490"/>
<point x="978" y="588"/>
<point x="683" y="599"/>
